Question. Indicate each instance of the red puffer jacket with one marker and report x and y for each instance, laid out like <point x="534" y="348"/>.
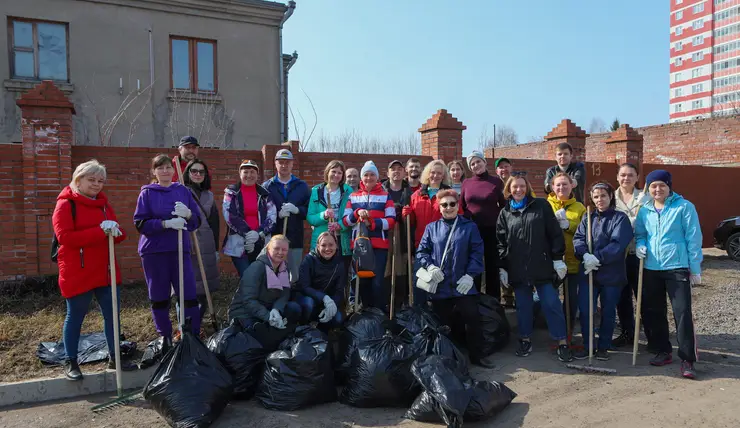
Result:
<point x="423" y="210"/>
<point x="83" y="246"/>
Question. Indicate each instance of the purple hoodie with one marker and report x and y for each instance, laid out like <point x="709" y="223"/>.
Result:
<point x="156" y="204"/>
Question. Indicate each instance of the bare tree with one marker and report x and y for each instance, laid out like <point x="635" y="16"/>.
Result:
<point x="727" y="103"/>
<point x="535" y="139"/>
<point x="353" y="141"/>
<point x="201" y="115"/>
<point x="597" y="125"/>
<point x="503" y="137"/>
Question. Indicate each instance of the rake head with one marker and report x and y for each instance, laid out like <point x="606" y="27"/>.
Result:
<point x="591" y="369"/>
<point x="121" y="401"/>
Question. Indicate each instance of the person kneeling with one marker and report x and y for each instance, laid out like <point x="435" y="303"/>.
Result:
<point x="321" y="284"/>
<point x="263" y="295"/>
<point x="449" y="257"/>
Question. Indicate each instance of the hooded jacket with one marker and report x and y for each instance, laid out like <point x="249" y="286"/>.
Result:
<point x="611" y="234"/>
<point x="207" y="239"/>
<point x="574" y="212"/>
<point x="423" y="210"/>
<point x="320" y="277"/>
<point x="482" y="198"/>
<point x="639" y="198"/>
<point x="253" y="300"/>
<point x="297" y="193"/>
<point x="83" y="257"/>
<point x="576" y="170"/>
<point x="673" y="238"/>
<point x="233" y="211"/>
<point x="382" y="213"/>
<point x="155" y="204"/>
<point x="528" y="242"/>
<point x="464" y="255"/>
<point x="317" y="204"/>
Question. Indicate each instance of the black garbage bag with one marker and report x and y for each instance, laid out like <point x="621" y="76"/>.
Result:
<point x="433" y="341"/>
<point x="361" y="327"/>
<point x="91" y="349"/>
<point x="152" y="353"/>
<point x="242" y="355"/>
<point x="269" y="336"/>
<point x="487" y="399"/>
<point x="447" y="387"/>
<point x="380" y="373"/>
<point x="494" y="324"/>
<point x="190" y="387"/>
<point x="425" y="409"/>
<point x="299" y="374"/>
<point x="415" y="319"/>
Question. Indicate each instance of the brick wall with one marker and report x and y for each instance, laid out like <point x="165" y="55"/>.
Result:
<point x="12" y="237"/>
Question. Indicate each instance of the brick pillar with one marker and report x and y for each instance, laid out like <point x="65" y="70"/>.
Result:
<point x="268" y="157"/>
<point x="47" y="134"/>
<point x="567" y="132"/>
<point x="441" y="137"/>
<point x="624" y="145"/>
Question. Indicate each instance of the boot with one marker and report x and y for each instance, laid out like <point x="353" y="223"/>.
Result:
<point x="72" y="370"/>
<point x="126" y="366"/>
<point x="166" y="345"/>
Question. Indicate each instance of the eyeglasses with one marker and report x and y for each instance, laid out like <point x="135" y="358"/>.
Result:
<point x="197" y="171"/>
<point x="448" y="204"/>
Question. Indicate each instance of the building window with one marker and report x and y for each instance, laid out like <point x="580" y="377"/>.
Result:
<point x="679" y="62"/>
<point x="193" y="65"/>
<point x="679" y="30"/>
<point x="695" y="89"/>
<point x="679" y="1"/>
<point x="679" y="46"/>
<point x="679" y="15"/>
<point x="698" y="8"/>
<point x="677" y="93"/>
<point x="697" y="56"/>
<point x="677" y="108"/>
<point x="699" y="23"/>
<point x="38" y="50"/>
<point x="677" y="78"/>
<point x="695" y="73"/>
<point x="698" y="40"/>
<point x="697" y="104"/>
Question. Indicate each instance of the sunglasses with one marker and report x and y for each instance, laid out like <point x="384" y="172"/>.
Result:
<point x="197" y="171"/>
<point x="448" y="204"/>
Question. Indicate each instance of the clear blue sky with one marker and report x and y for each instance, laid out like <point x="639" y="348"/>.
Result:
<point x="383" y="67"/>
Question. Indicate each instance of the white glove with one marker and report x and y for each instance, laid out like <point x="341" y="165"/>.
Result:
<point x="251" y="237"/>
<point x="283" y="212"/>
<point x="181" y="210"/>
<point x="276" y="320"/>
<point x="328" y="214"/>
<point x="590" y="262"/>
<point x="436" y="273"/>
<point x="424" y="275"/>
<point x="110" y="227"/>
<point x="641" y="252"/>
<point x="503" y="276"/>
<point x="330" y="309"/>
<point x="560" y="268"/>
<point x="464" y="284"/>
<point x="560" y="214"/>
<point x="694" y="280"/>
<point x="177" y="223"/>
<point x="290" y="208"/>
<point x="564" y="223"/>
<point x="429" y="287"/>
<point x="249" y="247"/>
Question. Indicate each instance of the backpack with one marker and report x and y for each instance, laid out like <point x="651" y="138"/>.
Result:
<point x="363" y="256"/>
<point x="54" y="240"/>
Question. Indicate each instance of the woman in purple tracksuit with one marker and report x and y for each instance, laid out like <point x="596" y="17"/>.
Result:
<point x="162" y="209"/>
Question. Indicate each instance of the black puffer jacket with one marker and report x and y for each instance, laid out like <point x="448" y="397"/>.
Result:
<point x="528" y="242"/>
<point x="320" y="277"/>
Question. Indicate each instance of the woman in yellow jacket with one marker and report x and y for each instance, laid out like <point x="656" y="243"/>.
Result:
<point x="569" y="212"/>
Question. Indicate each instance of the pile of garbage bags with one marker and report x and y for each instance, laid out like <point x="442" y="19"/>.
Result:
<point x="92" y="348"/>
<point x="242" y="355"/>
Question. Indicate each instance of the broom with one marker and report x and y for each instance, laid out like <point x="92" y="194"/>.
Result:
<point x="590" y="368"/>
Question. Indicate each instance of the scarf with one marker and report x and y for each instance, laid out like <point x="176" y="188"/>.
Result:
<point x="518" y="205"/>
<point x="279" y="280"/>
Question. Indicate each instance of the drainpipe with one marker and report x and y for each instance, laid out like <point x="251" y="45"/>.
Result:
<point x="281" y="76"/>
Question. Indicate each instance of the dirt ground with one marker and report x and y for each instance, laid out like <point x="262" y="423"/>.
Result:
<point x="549" y="394"/>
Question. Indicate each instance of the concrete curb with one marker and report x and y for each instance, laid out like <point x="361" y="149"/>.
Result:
<point x="46" y="389"/>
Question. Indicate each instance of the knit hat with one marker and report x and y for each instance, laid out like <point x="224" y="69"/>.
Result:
<point x="659" y="175"/>
<point x="369" y="167"/>
<point x="475" y="154"/>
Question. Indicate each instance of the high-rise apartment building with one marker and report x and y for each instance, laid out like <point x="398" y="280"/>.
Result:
<point x="705" y="58"/>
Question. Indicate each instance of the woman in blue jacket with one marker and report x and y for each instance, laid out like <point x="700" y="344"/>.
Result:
<point x="326" y="209"/>
<point x="611" y="234"/>
<point x="668" y="237"/>
<point x="321" y="284"/>
<point x="449" y="257"/>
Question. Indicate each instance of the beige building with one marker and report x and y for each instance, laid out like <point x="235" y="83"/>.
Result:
<point x="145" y="72"/>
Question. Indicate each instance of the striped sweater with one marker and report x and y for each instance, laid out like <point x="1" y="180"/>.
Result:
<point x="382" y="213"/>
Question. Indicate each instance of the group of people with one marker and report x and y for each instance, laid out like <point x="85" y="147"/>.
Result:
<point x="486" y="233"/>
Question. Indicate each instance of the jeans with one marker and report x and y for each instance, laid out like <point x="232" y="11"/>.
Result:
<point x="575" y="281"/>
<point x="490" y="259"/>
<point x="609" y="299"/>
<point x="372" y="290"/>
<point x="625" y="309"/>
<point x="77" y="307"/>
<point x="241" y="264"/>
<point x="467" y="308"/>
<point x="655" y="285"/>
<point x="550" y="301"/>
<point x="310" y="310"/>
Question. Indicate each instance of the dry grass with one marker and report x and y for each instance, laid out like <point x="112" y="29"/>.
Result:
<point x="34" y="311"/>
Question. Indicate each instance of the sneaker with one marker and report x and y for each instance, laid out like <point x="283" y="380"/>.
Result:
<point x="525" y="348"/>
<point x="661" y="359"/>
<point x="581" y="354"/>
<point x="624" y="339"/>
<point x="564" y="354"/>
<point x="687" y="370"/>
<point x="72" y="370"/>
<point x="486" y="362"/>
<point x="602" y="355"/>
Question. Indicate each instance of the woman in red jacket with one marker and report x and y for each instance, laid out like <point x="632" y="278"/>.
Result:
<point x="83" y="219"/>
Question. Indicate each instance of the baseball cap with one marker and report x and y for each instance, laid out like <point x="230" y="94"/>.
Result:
<point x="248" y="163"/>
<point x="499" y="160"/>
<point x="395" y="162"/>
<point x="184" y="141"/>
<point x="283" y="154"/>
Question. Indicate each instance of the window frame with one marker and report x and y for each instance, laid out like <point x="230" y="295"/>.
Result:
<point x="698" y="8"/>
<point x="10" y="24"/>
<point x="193" y="64"/>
